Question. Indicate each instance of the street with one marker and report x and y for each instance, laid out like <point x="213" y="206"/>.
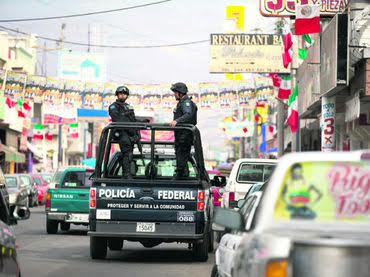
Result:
<point x="67" y="254"/>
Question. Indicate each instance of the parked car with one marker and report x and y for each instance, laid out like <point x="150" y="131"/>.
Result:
<point x="68" y="199"/>
<point x="42" y="187"/>
<point x="312" y="220"/>
<point x="246" y="173"/>
<point x="31" y="189"/>
<point x="229" y="243"/>
<point x="18" y="194"/>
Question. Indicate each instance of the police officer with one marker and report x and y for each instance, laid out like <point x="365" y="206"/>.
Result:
<point x="185" y="113"/>
<point x="120" y="111"/>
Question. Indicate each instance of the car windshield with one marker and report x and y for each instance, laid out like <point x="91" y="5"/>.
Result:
<point x="325" y="191"/>
<point x="26" y="180"/>
<point x="74" y="179"/>
<point x="255" y="172"/>
<point x="11" y="182"/>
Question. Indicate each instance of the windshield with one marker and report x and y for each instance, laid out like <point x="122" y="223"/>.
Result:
<point x="74" y="179"/>
<point x="26" y="180"/>
<point x="326" y="191"/>
<point x="11" y="182"/>
<point x="256" y="172"/>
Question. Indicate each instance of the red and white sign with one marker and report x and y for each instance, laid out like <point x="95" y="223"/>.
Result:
<point x="286" y="8"/>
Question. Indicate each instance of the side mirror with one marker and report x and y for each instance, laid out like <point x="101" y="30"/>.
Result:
<point x="53" y="185"/>
<point x="218" y="181"/>
<point x="230" y="219"/>
<point x="22" y="213"/>
<point x="241" y="203"/>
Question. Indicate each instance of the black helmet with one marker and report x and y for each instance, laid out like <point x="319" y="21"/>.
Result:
<point x="122" y="89"/>
<point x="179" y="87"/>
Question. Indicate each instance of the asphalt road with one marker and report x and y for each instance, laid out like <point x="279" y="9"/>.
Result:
<point x="67" y="254"/>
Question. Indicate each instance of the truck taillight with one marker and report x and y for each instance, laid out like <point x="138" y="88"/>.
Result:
<point x="277" y="268"/>
<point x="231" y="199"/>
<point x="47" y="203"/>
<point x="92" y="198"/>
<point x="200" y="200"/>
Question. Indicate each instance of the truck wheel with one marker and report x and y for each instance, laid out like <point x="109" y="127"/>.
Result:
<point x="98" y="247"/>
<point x="65" y="226"/>
<point x="115" y="244"/>
<point x="51" y="226"/>
<point x="200" y="250"/>
<point x="211" y="241"/>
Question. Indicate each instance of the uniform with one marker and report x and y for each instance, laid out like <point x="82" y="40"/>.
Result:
<point x="184" y="113"/>
<point x="123" y="112"/>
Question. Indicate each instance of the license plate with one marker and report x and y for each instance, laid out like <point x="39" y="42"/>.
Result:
<point x="145" y="227"/>
<point x="103" y="214"/>
<point x="77" y="218"/>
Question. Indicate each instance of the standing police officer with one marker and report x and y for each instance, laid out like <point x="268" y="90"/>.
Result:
<point x="120" y="111"/>
<point x="186" y="113"/>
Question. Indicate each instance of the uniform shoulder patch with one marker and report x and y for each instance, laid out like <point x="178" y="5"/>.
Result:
<point x="187" y="104"/>
<point x="112" y="107"/>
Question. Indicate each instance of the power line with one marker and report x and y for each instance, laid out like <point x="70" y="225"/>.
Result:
<point x="84" y="14"/>
<point x="109" y="46"/>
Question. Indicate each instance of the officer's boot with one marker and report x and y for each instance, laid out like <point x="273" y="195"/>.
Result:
<point x="126" y="174"/>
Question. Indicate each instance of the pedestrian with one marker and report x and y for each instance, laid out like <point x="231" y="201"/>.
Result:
<point x="120" y="111"/>
<point x="184" y="113"/>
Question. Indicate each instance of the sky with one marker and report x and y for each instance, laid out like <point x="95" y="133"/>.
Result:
<point x="171" y="22"/>
<point x="166" y="23"/>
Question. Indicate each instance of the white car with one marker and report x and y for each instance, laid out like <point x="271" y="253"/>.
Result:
<point x="229" y="243"/>
<point x="246" y="173"/>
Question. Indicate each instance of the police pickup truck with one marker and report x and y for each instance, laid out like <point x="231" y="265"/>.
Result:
<point x="153" y="206"/>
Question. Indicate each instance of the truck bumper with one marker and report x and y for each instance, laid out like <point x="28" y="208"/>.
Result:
<point x="56" y="216"/>
<point x="164" y="230"/>
<point x="76" y="218"/>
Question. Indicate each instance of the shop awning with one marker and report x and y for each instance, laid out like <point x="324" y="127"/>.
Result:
<point x="12" y="155"/>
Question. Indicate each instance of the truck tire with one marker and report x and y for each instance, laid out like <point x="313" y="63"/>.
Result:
<point x="200" y="250"/>
<point x="211" y="241"/>
<point x="98" y="247"/>
<point x="115" y="244"/>
<point x="65" y="226"/>
<point x="51" y="226"/>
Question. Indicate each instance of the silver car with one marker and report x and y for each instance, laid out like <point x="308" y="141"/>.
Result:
<point x="18" y="194"/>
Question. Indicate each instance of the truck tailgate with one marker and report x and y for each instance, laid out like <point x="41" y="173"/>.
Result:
<point x="69" y="200"/>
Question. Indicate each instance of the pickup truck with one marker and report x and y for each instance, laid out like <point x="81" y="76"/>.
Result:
<point x="153" y="207"/>
<point x="313" y="219"/>
<point x="67" y="199"/>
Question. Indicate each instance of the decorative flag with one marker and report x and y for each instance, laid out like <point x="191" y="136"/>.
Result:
<point x="307" y="19"/>
<point x="288" y="43"/>
<point x="10" y="103"/>
<point x="48" y="136"/>
<point x="73" y="130"/>
<point x="293" y="110"/>
<point x="256" y="115"/>
<point x="271" y="128"/>
<point x="285" y="87"/>
<point x="302" y="54"/>
<point x="308" y="41"/>
<point x="27" y="106"/>
<point x="19" y="108"/>
<point x="38" y="131"/>
<point x="276" y="79"/>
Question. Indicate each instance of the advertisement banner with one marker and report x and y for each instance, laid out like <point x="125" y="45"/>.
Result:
<point x="52" y="107"/>
<point x="35" y="86"/>
<point x="264" y="89"/>
<point x="237" y="53"/>
<point x="325" y="191"/>
<point x="246" y="92"/>
<point x="228" y="95"/>
<point x="168" y="98"/>
<point x="286" y="8"/>
<point x="2" y="78"/>
<point x="14" y="85"/>
<point x="93" y="96"/>
<point x="73" y="94"/>
<point x="328" y="124"/>
<point x="109" y="94"/>
<point x="208" y="93"/>
<point x="151" y="97"/>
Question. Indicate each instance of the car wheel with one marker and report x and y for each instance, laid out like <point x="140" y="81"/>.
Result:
<point x="65" y="226"/>
<point x="98" y="247"/>
<point x="214" y="272"/>
<point x="51" y="226"/>
<point x="200" y="250"/>
<point x="211" y="241"/>
<point x="115" y="244"/>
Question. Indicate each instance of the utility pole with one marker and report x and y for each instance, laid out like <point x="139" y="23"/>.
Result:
<point x="90" y="124"/>
<point x="60" y="125"/>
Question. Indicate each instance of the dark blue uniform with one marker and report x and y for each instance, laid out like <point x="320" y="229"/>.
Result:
<point x="184" y="113"/>
<point x="123" y="112"/>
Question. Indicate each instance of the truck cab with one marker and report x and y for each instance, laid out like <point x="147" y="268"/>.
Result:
<point x="67" y="199"/>
<point x="153" y="207"/>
